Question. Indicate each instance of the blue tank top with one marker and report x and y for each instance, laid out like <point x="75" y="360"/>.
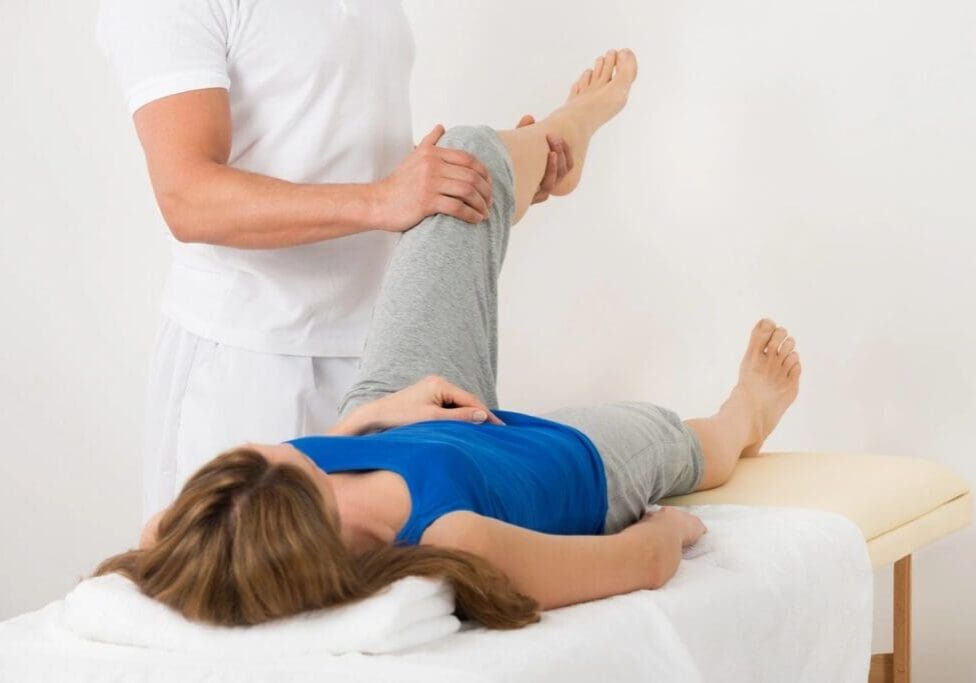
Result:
<point x="531" y="472"/>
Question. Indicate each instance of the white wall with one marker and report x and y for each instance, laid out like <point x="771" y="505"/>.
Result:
<point x="808" y="161"/>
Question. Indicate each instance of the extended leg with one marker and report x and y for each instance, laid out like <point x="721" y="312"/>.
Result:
<point x="649" y="453"/>
<point x="769" y="379"/>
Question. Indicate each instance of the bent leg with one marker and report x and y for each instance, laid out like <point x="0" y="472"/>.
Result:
<point x="437" y="310"/>
<point x="599" y="94"/>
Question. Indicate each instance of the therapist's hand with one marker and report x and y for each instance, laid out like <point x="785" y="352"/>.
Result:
<point x="432" y="398"/>
<point x="433" y="180"/>
<point x="559" y="163"/>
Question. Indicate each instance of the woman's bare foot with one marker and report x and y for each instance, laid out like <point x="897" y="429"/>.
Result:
<point x="595" y="98"/>
<point x="769" y="380"/>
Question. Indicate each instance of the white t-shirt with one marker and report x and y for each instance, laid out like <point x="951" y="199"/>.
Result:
<point x="319" y="93"/>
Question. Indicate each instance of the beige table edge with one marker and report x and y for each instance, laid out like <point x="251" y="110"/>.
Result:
<point x="904" y="540"/>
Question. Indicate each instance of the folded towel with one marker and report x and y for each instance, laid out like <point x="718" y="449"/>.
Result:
<point x="411" y="611"/>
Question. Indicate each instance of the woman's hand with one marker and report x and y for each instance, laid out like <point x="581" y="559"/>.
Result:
<point x="433" y="180"/>
<point x="432" y="398"/>
<point x="688" y="527"/>
<point x="656" y="541"/>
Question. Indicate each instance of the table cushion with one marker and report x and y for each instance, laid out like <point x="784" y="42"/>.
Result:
<point x="900" y="504"/>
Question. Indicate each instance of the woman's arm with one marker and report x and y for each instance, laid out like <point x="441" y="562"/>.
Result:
<point x="560" y="570"/>
<point x="432" y="398"/>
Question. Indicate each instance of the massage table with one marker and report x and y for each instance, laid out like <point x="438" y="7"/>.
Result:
<point x="779" y="589"/>
<point x="900" y="504"/>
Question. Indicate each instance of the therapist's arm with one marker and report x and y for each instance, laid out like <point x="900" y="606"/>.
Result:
<point x="558" y="570"/>
<point x="187" y="140"/>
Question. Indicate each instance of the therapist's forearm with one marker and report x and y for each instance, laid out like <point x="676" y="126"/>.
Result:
<point x="218" y="204"/>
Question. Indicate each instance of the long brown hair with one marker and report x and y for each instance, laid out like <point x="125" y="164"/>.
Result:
<point x="247" y="541"/>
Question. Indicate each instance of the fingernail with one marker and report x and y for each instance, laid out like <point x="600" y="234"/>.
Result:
<point x="479" y="416"/>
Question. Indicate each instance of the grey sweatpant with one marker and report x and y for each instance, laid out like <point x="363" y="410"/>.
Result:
<point x="437" y="313"/>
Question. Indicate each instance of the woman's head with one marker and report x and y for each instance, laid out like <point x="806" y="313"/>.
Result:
<point x="246" y="541"/>
<point x="250" y="539"/>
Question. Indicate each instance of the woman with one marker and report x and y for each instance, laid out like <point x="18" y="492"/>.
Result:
<point x="519" y="512"/>
<point x="277" y="139"/>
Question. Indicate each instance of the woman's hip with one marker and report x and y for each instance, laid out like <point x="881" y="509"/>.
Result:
<point x="648" y="453"/>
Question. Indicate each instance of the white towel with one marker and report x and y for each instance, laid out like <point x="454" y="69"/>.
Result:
<point x="411" y="611"/>
<point x="767" y="595"/>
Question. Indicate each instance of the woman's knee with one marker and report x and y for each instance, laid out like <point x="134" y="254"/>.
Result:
<point x="483" y="143"/>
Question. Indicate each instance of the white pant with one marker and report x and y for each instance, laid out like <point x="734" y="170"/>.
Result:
<point x="205" y="397"/>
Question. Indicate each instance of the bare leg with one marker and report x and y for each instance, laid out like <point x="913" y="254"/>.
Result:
<point x="769" y="379"/>
<point x="596" y="97"/>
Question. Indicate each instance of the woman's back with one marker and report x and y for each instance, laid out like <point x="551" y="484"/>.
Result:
<point x="531" y="472"/>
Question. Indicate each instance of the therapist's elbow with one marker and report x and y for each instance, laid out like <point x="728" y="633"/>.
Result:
<point x="183" y="217"/>
<point x="184" y="232"/>
<point x="187" y="196"/>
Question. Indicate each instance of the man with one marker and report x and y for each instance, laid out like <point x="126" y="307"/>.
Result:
<point x="277" y="139"/>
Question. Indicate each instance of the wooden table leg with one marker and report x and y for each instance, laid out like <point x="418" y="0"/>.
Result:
<point x="903" y="620"/>
<point x="896" y="667"/>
